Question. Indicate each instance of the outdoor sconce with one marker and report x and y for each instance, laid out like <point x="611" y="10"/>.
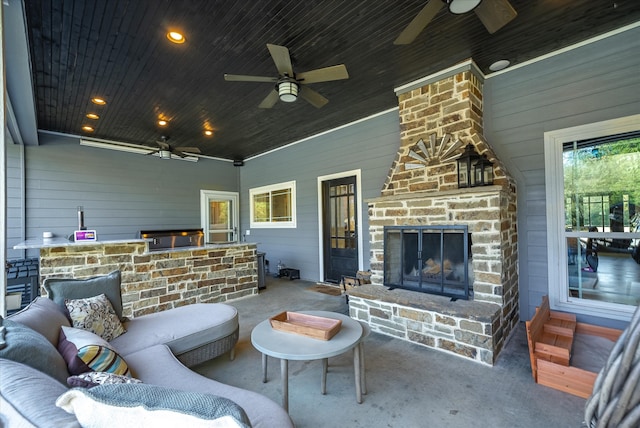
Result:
<point x="483" y="172"/>
<point x="466" y="177"/>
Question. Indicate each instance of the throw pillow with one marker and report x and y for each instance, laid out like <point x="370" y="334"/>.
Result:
<point x="96" y="315"/>
<point x="84" y="351"/>
<point x="91" y="379"/>
<point x="59" y="289"/>
<point x="29" y="347"/>
<point x="134" y="405"/>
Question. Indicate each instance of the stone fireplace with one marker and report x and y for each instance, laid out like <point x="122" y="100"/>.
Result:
<point x="438" y="118"/>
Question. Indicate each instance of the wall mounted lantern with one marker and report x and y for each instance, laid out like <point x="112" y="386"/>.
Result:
<point x="483" y="172"/>
<point x="467" y="159"/>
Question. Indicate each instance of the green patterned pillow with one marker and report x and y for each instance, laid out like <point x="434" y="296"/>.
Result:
<point x="84" y="351"/>
<point x="95" y="314"/>
<point x="91" y="379"/>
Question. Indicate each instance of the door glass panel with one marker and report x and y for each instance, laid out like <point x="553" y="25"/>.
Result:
<point x="220" y="229"/>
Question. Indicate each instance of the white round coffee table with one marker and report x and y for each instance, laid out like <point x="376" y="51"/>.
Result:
<point x="290" y="346"/>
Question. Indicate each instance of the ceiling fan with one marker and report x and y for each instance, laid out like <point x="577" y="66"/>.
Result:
<point x="290" y="85"/>
<point x="494" y="14"/>
<point x="165" y="151"/>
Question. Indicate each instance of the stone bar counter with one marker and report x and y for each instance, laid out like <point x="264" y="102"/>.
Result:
<point x="154" y="281"/>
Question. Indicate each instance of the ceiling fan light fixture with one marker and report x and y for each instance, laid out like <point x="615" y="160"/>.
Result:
<point x="165" y="154"/>
<point x="176" y="37"/>
<point x="459" y="7"/>
<point x="288" y="90"/>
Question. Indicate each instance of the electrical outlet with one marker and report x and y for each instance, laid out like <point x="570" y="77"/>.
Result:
<point x="247" y="232"/>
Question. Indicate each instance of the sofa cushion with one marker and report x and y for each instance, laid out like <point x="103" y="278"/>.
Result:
<point x="59" y="289"/>
<point x="91" y="379"/>
<point x="96" y="315"/>
<point x="182" y="329"/>
<point x="28" y="397"/>
<point x="43" y="316"/>
<point x="158" y="366"/>
<point x="130" y="405"/>
<point x="29" y="347"/>
<point x="84" y="351"/>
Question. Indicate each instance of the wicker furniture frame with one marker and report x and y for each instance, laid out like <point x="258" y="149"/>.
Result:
<point x="210" y="350"/>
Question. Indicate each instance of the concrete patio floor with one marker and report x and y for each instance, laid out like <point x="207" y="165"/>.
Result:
<point x="408" y="385"/>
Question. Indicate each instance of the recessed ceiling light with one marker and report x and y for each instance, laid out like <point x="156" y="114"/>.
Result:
<point x="176" y="37"/>
<point x="93" y="116"/>
<point x="87" y="128"/>
<point x="99" y="101"/>
<point x="162" y="122"/>
<point x="499" y="65"/>
<point x="208" y="133"/>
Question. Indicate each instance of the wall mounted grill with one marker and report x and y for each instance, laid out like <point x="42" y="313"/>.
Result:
<point x="174" y="238"/>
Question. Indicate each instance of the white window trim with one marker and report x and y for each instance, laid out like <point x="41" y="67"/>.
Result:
<point x="277" y="224"/>
<point x="556" y="246"/>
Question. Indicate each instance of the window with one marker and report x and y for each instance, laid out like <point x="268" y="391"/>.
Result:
<point x="593" y="217"/>
<point x="273" y="206"/>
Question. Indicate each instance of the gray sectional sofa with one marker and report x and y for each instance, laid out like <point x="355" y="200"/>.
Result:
<point x="157" y="348"/>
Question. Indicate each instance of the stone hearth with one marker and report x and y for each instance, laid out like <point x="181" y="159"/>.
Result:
<point x="437" y="120"/>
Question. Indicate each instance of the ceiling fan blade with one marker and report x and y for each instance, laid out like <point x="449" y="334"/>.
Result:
<point x="495" y="14"/>
<point x="418" y="23"/>
<point x="314" y="98"/>
<point x="336" y="72"/>
<point x="162" y="145"/>
<point x="281" y="58"/>
<point x="245" y="78"/>
<point x="270" y="100"/>
<point x="187" y="149"/>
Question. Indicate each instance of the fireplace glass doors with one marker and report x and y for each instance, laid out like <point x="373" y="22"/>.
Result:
<point x="429" y="259"/>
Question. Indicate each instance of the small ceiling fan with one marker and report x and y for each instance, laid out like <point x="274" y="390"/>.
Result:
<point x="494" y="14"/>
<point x="288" y="85"/>
<point x="165" y="151"/>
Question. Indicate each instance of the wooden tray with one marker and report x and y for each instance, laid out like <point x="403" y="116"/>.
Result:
<point x="306" y="325"/>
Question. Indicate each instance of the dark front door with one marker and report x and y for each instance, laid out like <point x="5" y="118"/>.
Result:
<point x="340" y="228"/>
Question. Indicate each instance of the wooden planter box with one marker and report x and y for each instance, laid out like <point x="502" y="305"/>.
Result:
<point x="550" y="336"/>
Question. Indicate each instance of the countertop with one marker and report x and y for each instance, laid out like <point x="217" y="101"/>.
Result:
<point x="36" y="243"/>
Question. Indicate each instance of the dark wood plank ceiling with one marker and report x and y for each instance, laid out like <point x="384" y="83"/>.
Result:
<point x="117" y="49"/>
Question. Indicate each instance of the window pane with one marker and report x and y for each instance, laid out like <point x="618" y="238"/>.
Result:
<point x="602" y="211"/>
<point x="281" y="205"/>
<point x="261" y="209"/>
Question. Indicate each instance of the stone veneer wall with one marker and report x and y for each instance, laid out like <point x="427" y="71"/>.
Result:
<point x="437" y="121"/>
<point x="157" y="281"/>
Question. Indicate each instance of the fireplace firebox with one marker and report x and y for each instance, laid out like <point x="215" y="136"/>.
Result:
<point x="429" y="259"/>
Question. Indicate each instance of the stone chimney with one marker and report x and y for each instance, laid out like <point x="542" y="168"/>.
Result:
<point x="437" y="120"/>
<point x="439" y="116"/>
